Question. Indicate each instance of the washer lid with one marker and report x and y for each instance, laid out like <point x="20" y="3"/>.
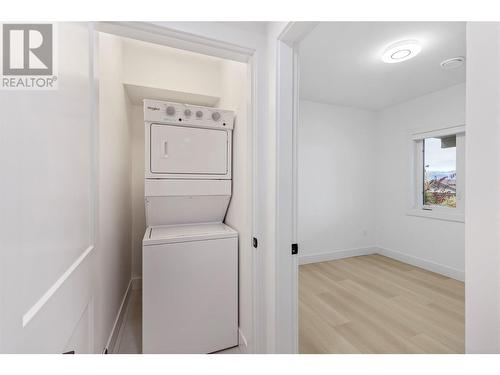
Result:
<point x="185" y="233"/>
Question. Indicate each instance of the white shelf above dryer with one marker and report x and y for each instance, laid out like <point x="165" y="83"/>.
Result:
<point x="137" y="93"/>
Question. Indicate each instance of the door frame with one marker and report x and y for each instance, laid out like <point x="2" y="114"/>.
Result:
<point x="287" y="114"/>
<point x="175" y="38"/>
<point x="479" y="336"/>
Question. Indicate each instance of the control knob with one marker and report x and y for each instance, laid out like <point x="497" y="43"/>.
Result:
<point x="170" y="111"/>
<point x="215" y="116"/>
<point x="187" y="112"/>
<point x="199" y="114"/>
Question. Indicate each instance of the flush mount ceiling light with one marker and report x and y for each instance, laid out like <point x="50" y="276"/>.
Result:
<point x="453" y="63"/>
<point x="401" y="51"/>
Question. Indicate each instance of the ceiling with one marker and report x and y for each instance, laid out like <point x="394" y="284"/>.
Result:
<point x="340" y="62"/>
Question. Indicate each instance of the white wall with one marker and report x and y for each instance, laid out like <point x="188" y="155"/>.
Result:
<point x="336" y="173"/>
<point x="434" y="244"/>
<point x="153" y="65"/>
<point x="364" y="186"/>
<point x="482" y="204"/>
<point x="234" y="96"/>
<point x="113" y="255"/>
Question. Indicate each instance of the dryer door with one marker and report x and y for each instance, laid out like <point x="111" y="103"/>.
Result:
<point x="185" y="150"/>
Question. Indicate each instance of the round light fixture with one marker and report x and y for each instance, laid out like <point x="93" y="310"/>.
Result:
<point x="401" y="51"/>
<point x="453" y="63"/>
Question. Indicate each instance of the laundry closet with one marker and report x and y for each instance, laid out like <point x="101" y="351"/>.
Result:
<point x="175" y="196"/>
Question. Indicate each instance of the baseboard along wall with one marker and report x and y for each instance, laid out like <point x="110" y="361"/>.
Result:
<point x="393" y="254"/>
<point x="110" y="345"/>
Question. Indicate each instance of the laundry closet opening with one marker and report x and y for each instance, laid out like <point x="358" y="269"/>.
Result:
<point x="381" y="172"/>
<point x="175" y="157"/>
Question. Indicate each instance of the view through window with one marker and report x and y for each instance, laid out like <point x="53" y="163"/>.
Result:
<point x="440" y="175"/>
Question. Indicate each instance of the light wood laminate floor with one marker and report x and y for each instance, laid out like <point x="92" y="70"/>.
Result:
<point x="374" y="304"/>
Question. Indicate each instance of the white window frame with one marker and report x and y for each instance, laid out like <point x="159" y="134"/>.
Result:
<point x="417" y="207"/>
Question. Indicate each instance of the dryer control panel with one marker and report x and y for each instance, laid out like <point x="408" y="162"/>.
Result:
<point x="186" y="114"/>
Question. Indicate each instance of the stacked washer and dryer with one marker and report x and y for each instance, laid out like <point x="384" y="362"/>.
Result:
<point x="190" y="257"/>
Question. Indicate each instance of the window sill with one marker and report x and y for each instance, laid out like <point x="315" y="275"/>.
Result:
<point x="437" y="215"/>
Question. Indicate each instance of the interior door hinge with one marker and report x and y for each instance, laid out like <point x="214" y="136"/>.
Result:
<point x="295" y="249"/>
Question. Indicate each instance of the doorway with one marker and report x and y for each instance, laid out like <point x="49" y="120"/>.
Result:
<point x="149" y="69"/>
<point x="349" y="150"/>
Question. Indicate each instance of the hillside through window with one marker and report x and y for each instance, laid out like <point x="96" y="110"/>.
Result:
<point x="440" y="171"/>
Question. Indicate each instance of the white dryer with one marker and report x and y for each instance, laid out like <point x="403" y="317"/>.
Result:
<point x="190" y="258"/>
<point x="187" y="163"/>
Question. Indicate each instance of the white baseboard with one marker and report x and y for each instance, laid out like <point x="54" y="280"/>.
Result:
<point x="242" y="342"/>
<point x="136" y="283"/>
<point x="423" y="263"/>
<point x="110" y="345"/>
<point x="336" y="254"/>
<point x="397" y="255"/>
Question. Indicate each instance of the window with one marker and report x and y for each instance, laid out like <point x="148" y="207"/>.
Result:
<point x="439" y="173"/>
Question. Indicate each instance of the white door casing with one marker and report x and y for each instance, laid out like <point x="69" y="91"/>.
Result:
<point x="287" y="99"/>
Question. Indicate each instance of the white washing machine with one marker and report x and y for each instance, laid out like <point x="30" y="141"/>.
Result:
<point x="190" y="257"/>
<point x="191" y="284"/>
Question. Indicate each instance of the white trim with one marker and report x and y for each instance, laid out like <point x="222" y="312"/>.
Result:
<point x="286" y="265"/>
<point x="242" y="342"/>
<point x="94" y="160"/>
<point x="257" y="331"/>
<point x="393" y="254"/>
<point x="439" y="132"/>
<point x="285" y="269"/>
<point x="415" y="200"/>
<point x="29" y="315"/>
<point x="336" y="254"/>
<point x="295" y="32"/>
<point x="295" y="185"/>
<point x="174" y="38"/>
<point x="437" y="214"/>
<point x="423" y="263"/>
<point x="110" y="345"/>
<point x="94" y="131"/>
